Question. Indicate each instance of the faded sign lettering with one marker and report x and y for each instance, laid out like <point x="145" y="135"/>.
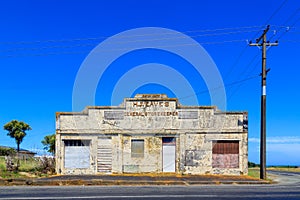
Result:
<point x="174" y="113"/>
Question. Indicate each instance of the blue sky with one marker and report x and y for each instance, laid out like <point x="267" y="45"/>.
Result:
<point x="44" y="43"/>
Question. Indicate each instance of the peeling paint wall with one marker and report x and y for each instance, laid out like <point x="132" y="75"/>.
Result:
<point x="151" y="160"/>
<point x="150" y="119"/>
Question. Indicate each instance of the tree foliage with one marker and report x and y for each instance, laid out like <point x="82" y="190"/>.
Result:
<point x="49" y="143"/>
<point x="252" y="164"/>
<point x="17" y="130"/>
<point x="6" y="151"/>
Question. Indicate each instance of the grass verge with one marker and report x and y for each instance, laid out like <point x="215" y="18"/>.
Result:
<point x="253" y="172"/>
<point x="28" y="168"/>
<point x="286" y="169"/>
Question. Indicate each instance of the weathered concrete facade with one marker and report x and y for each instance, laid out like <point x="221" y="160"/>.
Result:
<point x="152" y="133"/>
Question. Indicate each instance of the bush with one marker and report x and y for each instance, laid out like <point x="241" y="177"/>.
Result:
<point x="11" y="164"/>
<point x="252" y="164"/>
<point x="6" y="151"/>
<point x="47" y="165"/>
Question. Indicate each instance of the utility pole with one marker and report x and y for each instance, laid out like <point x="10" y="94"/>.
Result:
<point x="264" y="43"/>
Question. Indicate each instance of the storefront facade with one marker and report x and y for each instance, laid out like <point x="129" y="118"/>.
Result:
<point x="152" y="133"/>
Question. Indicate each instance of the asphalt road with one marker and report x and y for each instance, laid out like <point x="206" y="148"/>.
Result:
<point x="285" y="178"/>
<point x="288" y="188"/>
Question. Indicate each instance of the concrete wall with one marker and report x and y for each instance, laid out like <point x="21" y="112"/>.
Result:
<point x="196" y="153"/>
<point x="150" y="119"/>
<point x="150" y="162"/>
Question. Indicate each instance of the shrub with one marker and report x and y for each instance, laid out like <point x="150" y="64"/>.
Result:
<point x="47" y="165"/>
<point x="11" y="164"/>
<point x="6" y="151"/>
<point x="252" y="164"/>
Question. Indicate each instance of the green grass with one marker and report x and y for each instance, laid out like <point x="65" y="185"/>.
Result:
<point x="2" y="163"/>
<point x="253" y="172"/>
<point x="4" y="173"/>
<point x="29" y="167"/>
<point x="2" y="167"/>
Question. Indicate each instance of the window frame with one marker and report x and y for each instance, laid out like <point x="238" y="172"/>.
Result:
<point x="137" y="148"/>
<point x="225" y="154"/>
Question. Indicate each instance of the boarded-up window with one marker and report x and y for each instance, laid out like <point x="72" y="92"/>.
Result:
<point x="137" y="148"/>
<point x="77" y="153"/>
<point x="225" y="154"/>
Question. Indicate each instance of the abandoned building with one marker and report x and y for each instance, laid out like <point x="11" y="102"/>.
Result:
<point x="152" y="133"/>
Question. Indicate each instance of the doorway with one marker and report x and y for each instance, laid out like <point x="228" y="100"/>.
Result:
<point x="168" y="153"/>
<point x="104" y="155"/>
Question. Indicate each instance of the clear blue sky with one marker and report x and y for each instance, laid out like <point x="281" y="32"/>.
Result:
<point x="43" y="44"/>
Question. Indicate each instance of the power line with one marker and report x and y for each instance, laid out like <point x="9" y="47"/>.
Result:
<point x="133" y="35"/>
<point x="293" y="41"/>
<point x="220" y="87"/>
<point x="246" y="46"/>
<point x="193" y="36"/>
<point x="239" y="85"/>
<point x="276" y="11"/>
<point x="88" y="45"/>
<point x="256" y="56"/>
<point x="291" y="16"/>
<point x="236" y="61"/>
<point x="293" y="32"/>
<point x="287" y="31"/>
<point x="283" y="26"/>
<point x="118" y="49"/>
<point x="272" y="15"/>
<point x="130" y="41"/>
<point x="133" y="41"/>
<point x="286" y="22"/>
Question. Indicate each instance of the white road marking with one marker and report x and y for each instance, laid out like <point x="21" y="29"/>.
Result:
<point x="158" y="196"/>
<point x="113" y="197"/>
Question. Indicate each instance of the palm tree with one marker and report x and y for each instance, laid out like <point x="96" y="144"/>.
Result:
<point x="49" y="143"/>
<point x="16" y="130"/>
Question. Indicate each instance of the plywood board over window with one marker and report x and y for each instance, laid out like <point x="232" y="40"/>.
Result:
<point x="225" y="154"/>
<point x="137" y="148"/>
<point x="77" y="154"/>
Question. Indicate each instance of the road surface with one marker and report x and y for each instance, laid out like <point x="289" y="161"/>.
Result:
<point x="288" y="188"/>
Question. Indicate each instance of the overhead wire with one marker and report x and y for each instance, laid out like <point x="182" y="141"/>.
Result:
<point x="13" y="50"/>
<point x="240" y="84"/>
<point x="286" y="26"/>
<point x="129" y="41"/>
<point x="272" y="15"/>
<point x="220" y="87"/>
<point x="193" y="36"/>
<point x="119" y="49"/>
<point x="295" y="22"/>
<point x="239" y="30"/>
<point x="246" y="46"/>
<point x="128" y="36"/>
<point x="252" y="60"/>
<point x="293" y="41"/>
<point x="276" y="11"/>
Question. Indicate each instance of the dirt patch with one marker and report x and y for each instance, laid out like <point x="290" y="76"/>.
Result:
<point x="26" y="174"/>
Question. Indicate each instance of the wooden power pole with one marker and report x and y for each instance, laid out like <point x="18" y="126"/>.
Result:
<point x="264" y="43"/>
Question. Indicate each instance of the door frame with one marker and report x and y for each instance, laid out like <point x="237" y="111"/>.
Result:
<point x="169" y="141"/>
